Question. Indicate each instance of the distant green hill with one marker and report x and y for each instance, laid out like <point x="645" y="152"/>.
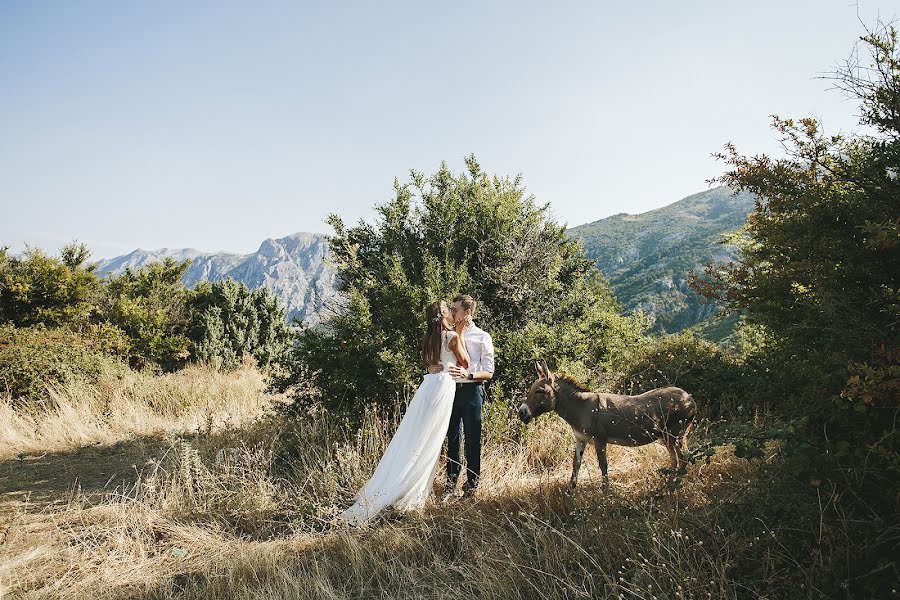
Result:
<point x="646" y="257"/>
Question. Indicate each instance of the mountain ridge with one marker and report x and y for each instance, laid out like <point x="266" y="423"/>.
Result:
<point x="644" y="256"/>
<point x="294" y="268"/>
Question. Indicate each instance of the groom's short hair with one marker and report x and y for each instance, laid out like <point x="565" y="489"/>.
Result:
<point x="467" y="302"/>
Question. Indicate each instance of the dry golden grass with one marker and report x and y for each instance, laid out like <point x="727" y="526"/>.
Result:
<point x="257" y="526"/>
<point x="78" y="414"/>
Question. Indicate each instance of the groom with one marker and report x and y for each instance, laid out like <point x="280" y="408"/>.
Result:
<point x="469" y="399"/>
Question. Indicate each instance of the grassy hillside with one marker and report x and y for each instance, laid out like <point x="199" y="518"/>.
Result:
<point x="646" y="257"/>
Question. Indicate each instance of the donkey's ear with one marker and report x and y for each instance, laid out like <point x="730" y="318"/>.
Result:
<point x="538" y="369"/>
<point x="547" y="373"/>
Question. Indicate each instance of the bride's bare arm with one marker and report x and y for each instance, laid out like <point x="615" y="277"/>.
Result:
<point x="459" y="349"/>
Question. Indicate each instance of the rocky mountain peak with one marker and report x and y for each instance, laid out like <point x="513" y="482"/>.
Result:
<point x="294" y="268"/>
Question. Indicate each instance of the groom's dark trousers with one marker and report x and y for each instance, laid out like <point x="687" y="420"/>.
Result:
<point x="466" y="417"/>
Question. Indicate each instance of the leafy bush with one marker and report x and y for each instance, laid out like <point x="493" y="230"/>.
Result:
<point x="33" y="357"/>
<point x="229" y="320"/>
<point x="150" y="305"/>
<point x="714" y="377"/>
<point x="817" y="271"/>
<point x="41" y="289"/>
<point x="159" y="322"/>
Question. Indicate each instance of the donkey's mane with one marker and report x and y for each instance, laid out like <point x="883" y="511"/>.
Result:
<point x="570" y="379"/>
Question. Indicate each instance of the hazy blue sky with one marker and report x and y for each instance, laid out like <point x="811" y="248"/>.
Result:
<point x="215" y="125"/>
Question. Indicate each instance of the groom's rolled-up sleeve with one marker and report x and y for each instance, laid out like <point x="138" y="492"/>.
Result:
<point x="487" y="354"/>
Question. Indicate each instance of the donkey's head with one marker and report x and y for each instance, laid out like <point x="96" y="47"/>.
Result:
<point x="542" y="395"/>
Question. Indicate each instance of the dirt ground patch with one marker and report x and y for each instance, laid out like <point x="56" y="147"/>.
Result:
<point x="54" y="478"/>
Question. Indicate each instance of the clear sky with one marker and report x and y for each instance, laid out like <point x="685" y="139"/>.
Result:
<point x="215" y="125"/>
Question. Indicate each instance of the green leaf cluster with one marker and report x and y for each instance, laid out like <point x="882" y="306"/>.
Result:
<point x="33" y="357"/>
<point x="143" y="315"/>
<point x="38" y="288"/>
<point x="817" y="271"/>
<point x="151" y="306"/>
<point x="228" y="321"/>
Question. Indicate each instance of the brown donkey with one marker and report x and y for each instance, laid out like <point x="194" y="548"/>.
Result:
<point x="664" y="414"/>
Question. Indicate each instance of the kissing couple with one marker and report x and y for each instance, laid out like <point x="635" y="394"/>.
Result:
<point x="459" y="358"/>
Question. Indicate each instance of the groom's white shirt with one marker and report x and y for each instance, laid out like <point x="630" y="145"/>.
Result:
<point x="481" y="350"/>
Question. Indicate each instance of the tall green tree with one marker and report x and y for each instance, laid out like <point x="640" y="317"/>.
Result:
<point x="445" y="234"/>
<point x="819" y="261"/>
<point x="228" y="320"/>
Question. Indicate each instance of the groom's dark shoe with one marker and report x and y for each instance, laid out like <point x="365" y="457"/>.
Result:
<point x="468" y="492"/>
<point x="449" y="493"/>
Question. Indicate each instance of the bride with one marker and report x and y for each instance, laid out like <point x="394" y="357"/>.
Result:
<point x="404" y="475"/>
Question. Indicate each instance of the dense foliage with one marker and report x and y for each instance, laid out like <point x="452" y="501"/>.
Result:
<point x="38" y="288"/>
<point x="819" y="256"/>
<point x="31" y="358"/>
<point x="150" y="305"/>
<point x="228" y="320"/>
<point x="447" y="234"/>
<point x="60" y="319"/>
<point x="817" y="279"/>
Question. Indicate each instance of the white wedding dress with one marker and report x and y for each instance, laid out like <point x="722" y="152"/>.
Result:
<point x="405" y="473"/>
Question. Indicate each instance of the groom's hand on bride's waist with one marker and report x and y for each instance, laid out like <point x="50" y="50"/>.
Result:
<point x="435" y="368"/>
<point x="458" y="372"/>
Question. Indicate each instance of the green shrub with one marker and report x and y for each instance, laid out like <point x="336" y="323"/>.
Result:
<point x="150" y="305"/>
<point x="816" y="273"/>
<point x="33" y="357"/>
<point x="41" y="289"/>
<point x="715" y="378"/>
<point x="229" y="320"/>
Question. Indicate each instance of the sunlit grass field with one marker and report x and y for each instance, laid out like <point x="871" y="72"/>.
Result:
<point x="190" y="485"/>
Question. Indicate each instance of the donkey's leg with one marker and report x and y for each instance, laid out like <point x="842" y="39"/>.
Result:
<point x="576" y="461"/>
<point x="681" y="446"/>
<point x="600" y="447"/>
<point x="684" y="435"/>
<point x="676" y="456"/>
<point x="680" y="462"/>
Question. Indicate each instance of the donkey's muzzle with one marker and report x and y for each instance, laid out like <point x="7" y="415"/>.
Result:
<point x="524" y="413"/>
